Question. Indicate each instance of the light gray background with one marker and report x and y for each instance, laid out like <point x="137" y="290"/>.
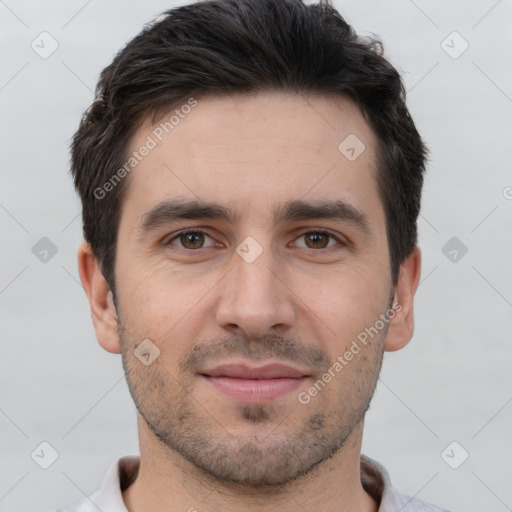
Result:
<point x="452" y="383"/>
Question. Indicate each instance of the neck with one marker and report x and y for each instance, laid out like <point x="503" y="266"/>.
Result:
<point x="167" y="482"/>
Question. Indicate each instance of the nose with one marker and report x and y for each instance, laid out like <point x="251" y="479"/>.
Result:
<point x="255" y="297"/>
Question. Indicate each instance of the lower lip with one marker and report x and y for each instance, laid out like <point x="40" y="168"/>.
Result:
<point x="251" y="390"/>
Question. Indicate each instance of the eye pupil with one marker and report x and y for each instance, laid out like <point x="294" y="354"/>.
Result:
<point x="318" y="239"/>
<point x="192" y="240"/>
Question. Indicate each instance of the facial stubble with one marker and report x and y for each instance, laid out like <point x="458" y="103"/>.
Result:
<point x="276" y="447"/>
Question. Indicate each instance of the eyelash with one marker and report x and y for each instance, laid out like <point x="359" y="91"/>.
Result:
<point x="200" y="231"/>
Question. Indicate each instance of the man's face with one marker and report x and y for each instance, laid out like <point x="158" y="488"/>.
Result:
<point x="267" y="282"/>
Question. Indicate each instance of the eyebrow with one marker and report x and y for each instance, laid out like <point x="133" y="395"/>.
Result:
<point x="326" y="209"/>
<point x="168" y="212"/>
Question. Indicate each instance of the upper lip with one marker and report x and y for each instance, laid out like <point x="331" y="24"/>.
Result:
<point x="243" y="371"/>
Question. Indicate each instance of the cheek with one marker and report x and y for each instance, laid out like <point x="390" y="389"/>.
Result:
<point x="165" y="303"/>
<point x="346" y="300"/>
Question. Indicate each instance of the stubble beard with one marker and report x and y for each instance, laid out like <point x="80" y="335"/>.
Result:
<point x="272" y="451"/>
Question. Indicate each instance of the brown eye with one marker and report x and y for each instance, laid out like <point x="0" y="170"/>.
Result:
<point x="191" y="240"/>
<point x="318" y="240"/>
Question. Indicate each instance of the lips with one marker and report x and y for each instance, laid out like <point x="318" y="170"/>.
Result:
<point x="242" y="371"/>
<point x="254" y="384"/>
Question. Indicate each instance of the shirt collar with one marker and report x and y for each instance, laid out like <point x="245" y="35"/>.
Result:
<point x="123" y="472"/>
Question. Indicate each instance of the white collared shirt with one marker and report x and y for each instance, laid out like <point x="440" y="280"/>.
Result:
<point x="123" y="471"/>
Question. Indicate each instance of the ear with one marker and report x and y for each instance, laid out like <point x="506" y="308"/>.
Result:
<point x="103" y="311"/>
<point x="401" y="327"/>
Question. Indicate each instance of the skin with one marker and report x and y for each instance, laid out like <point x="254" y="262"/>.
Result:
<point x="303" y="301"/>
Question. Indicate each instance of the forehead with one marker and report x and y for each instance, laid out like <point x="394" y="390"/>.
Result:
<point x="320" y="122"/>
<point x="255" y="151"/>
